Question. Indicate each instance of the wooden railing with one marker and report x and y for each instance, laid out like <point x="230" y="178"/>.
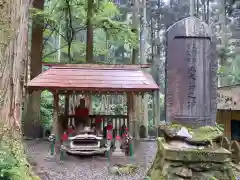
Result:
<point x="117" y="120"/>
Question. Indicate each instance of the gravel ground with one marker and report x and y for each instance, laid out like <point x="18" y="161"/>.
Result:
<point x="88" y="168"/>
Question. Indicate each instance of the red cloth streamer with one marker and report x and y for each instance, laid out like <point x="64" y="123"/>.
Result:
<point x="98" y="120"/>
<point x="81" y="112"/>
<point x="109" y="127"/>
<point x="64" y="137"/>
<point x="70" y="131"/>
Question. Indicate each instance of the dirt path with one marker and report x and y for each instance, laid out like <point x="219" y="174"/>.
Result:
<point x="88" y="168"/>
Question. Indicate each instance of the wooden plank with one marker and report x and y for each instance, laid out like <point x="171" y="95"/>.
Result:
<point x="127" y="66"/>
<point x="191" y="73"/>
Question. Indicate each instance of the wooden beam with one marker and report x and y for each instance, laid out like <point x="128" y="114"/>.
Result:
<point x="127" y="66"/>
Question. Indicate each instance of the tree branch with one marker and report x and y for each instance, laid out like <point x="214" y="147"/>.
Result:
<point x="54" y="51"/>
<point x="54" y="29"/>
<point x="70" y="30"/>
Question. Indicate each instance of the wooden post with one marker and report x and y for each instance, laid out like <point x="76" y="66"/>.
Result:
<point x="66" y="110"/>
<point x="145" y="112"/>
<point x="132" y="116"/>
<point x="56" y="124"/>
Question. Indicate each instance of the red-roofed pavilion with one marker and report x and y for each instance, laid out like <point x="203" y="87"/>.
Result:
<point x="94" y="79"/>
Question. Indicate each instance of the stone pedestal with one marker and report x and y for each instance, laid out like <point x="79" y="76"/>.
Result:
<point x="118" y="152"/>
<point x="177" y="160"/>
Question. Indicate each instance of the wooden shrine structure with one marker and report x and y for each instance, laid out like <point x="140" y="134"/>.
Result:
<point x="92" y="79"/>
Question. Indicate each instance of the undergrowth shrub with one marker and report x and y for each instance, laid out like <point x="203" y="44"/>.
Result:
<point x="13" y="161"/>
<point x="7" y="164"/>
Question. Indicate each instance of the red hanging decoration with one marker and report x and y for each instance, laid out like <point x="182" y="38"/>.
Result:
<point x="70" y="131"/>
<point x="81" y="112"/>
<point x="98" y="120"/>
<point x="85" y="112"/>
<point x="109" y="127"/>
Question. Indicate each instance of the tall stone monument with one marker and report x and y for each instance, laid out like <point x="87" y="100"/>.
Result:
<point x="191" y="73"/>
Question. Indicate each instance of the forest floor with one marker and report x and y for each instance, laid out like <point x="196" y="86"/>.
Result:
<point x="87" y="168"/>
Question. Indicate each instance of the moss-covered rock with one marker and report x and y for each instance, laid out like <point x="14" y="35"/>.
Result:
<point x="179" y="161"/>
<point x="200" y="136"/>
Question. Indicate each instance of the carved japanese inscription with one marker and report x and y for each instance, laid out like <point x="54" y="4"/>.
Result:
<point x="191" y="85"/>
<point x="191" y="59"/>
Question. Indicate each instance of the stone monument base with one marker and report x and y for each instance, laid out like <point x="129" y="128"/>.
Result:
<point x="177" y="160"/>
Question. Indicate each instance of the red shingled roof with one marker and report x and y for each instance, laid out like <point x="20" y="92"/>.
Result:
<point x="96" y="78"/>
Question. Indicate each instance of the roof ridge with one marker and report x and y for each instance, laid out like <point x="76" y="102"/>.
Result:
<point x="99" y="68"/>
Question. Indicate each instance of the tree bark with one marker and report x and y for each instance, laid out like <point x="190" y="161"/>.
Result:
<point x="13" y="50"/>
<point x="89" y="48"/>
<point x="14" y="54"/>
<point x="32" y="127"/>
<point x="192" y="7"/>
<point x="135" y="24"/>
<point x="224" y="38"/>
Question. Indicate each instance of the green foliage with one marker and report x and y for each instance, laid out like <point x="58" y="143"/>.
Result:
<point x="7" y="164"/>
<point x="57" y="25"/>
<point x="13" y="162"/>
<point x="46" y="109"/>
<point x="109" y="34"/>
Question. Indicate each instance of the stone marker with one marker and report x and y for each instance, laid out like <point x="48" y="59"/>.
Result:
<point x="191" y="73"/>
<point x="117" y="151"/>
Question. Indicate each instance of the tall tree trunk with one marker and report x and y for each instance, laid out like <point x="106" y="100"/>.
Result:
<point x="135" y="24"/>
<point x="89" y="48"/>
<point x="32" y="127"/>
<point x="208" y="11"/>
<point x="13" y="50"/>
<point x="197" y="9"/>
<point x="192" y="7"/>
<point x="224" y="39"/>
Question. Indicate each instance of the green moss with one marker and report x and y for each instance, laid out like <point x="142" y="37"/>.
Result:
<point x="156" y="174"/>
<point x="15" y="166"/>
<point x="206" y="133"/>
<point x="128" y="169"/>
